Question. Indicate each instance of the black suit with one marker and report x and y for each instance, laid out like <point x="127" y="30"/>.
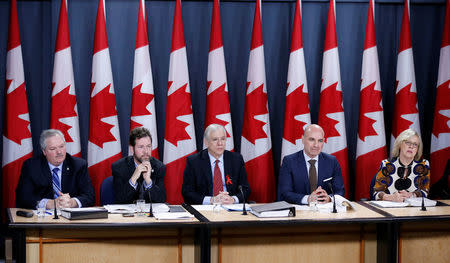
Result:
<point x="124" y="193"/>
<point x="35" y="182"/>
<point x="198" y="181"/>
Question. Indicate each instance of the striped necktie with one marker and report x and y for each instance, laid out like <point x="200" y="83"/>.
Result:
<point x="56" y="182"/>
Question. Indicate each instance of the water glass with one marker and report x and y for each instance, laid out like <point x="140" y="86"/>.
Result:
<point x="313" y="202"/>
<point x="40" y="210"/>
<point x="140" y="207"/>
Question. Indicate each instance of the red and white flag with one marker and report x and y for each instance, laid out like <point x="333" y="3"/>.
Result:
<point x="406" y="113"/>
<point x="64" y="109"/>
<point x="179" y="137"/>
<point x="256" y="144"/>
<point x="17" y="143"/>
<point x="297" y="114"/>
<point x="331" y="110"/>
<point x="371" y="141"/>
<point x="104" y="138"/>
<point x="217" y="101"/>
<point x="143" y="98"/>
<point x="440" y="138"/>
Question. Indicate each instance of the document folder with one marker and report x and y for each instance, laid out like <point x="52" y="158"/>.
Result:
<point x="84" y="213"/>
<point x="277" y="209"/>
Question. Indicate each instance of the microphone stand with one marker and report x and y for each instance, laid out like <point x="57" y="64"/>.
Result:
<point x="244" y="211"/>
<point x="334" y="198"/>
<point x="423" y="204"/>
<point x="55" y="212"/>
<point x="150" y="214"/>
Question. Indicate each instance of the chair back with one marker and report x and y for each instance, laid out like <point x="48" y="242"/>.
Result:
<point x="107" y="191"/>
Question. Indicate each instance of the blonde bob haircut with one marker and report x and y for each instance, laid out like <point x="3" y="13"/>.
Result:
<point x="404" y="136"/>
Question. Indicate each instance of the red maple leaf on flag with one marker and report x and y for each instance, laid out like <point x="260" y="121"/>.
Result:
<point x="63" y="105"/>
<point x="442" y="103"/>
<point x="180" y="105"/>
<point x="103" y="105"/>
<point x="255" y="104"/>
<point x="139" y="105"/>
<point x="405" y="103"/>
<point x="219" y="105"/>
<point x="294" y="129"/>
<point x="370" y="102"/>
<point x="330" y="103"/>
<point x="16" y="129"/>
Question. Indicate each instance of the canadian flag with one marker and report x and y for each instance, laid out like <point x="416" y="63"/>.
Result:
<point x="179" y="138"/>
<point x="104" y="138"/>
<point x="297" y="114"/>
<point x="17" y="143"/>
<point x="256" y="145"/>
<point x="64" y="113"/>
<point x="406" y="114"/>
<point x="143" y="98"/>
<point x="331" y="110"/>
<point x="217" y="101"/>
<point x="371" y="141"/>
<point x="440" y="138"/>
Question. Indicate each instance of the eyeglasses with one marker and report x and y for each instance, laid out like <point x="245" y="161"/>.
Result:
<point x="411" y="144"/>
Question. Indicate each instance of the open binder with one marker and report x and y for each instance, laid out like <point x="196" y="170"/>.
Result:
<point x="276" y="209"/>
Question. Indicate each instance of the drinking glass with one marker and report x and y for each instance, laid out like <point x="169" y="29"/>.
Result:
<point x="140" y="207"/>
<point x="40" y="210"/>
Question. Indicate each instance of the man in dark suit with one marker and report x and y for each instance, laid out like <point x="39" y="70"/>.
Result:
<point x="299" y="181"/>
<point x="214" y="174"/>
<point x="55" y="175"/>
<point x="139" y="176"/>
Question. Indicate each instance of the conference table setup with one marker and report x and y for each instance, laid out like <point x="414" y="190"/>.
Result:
<point x="363" y="231"/>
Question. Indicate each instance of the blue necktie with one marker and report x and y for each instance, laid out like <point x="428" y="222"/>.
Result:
<point x="56" y="182"/>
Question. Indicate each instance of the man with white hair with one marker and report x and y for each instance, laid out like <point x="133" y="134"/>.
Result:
<point x="54" y="175"/>
<point x="214" y="174"/>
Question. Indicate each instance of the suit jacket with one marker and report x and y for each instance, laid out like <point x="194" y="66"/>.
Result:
<point x="35" y="182"/>
<point x="198" y="180"/>
<point x="124" y="193"/>
<point x="293" y="182"/>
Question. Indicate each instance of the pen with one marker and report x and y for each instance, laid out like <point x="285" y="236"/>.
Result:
<point x="48" y="213"/>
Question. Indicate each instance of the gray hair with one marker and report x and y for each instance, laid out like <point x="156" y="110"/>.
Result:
<point x="47" y="134"/>
<point x="404" y="136"/>
<point x="211" y="128"/>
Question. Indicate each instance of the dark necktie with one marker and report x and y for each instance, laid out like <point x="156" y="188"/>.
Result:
<point x="312" y="175"/>
<point x="218" y="184"/>
<point x="56" y="183"/>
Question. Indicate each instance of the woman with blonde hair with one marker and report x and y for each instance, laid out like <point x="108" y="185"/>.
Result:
<point x="406" y="174"/>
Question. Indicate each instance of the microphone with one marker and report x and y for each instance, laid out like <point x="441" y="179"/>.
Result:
<point x="328" y="180"/>
<point x="244" y="211"/>
<point x="150" y="214"/>
<point x="423" y="204"/>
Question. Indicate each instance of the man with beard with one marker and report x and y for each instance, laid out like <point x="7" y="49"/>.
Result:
<point x="54" y="175"/>
<point x="139" y="176"/>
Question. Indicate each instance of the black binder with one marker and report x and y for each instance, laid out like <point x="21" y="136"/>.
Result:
<point x="84" y="213"/>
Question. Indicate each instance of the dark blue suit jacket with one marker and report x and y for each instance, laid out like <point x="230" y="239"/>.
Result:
<point x="124" y="193"/>
<point x="197" y="177"/>
<point x="35" y="182"/>
<point x="293" y="182"/>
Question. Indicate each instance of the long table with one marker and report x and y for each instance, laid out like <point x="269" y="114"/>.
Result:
<point x="365" y="234"/>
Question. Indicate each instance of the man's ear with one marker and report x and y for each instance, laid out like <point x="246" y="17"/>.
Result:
<point x="130" y="149"/>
